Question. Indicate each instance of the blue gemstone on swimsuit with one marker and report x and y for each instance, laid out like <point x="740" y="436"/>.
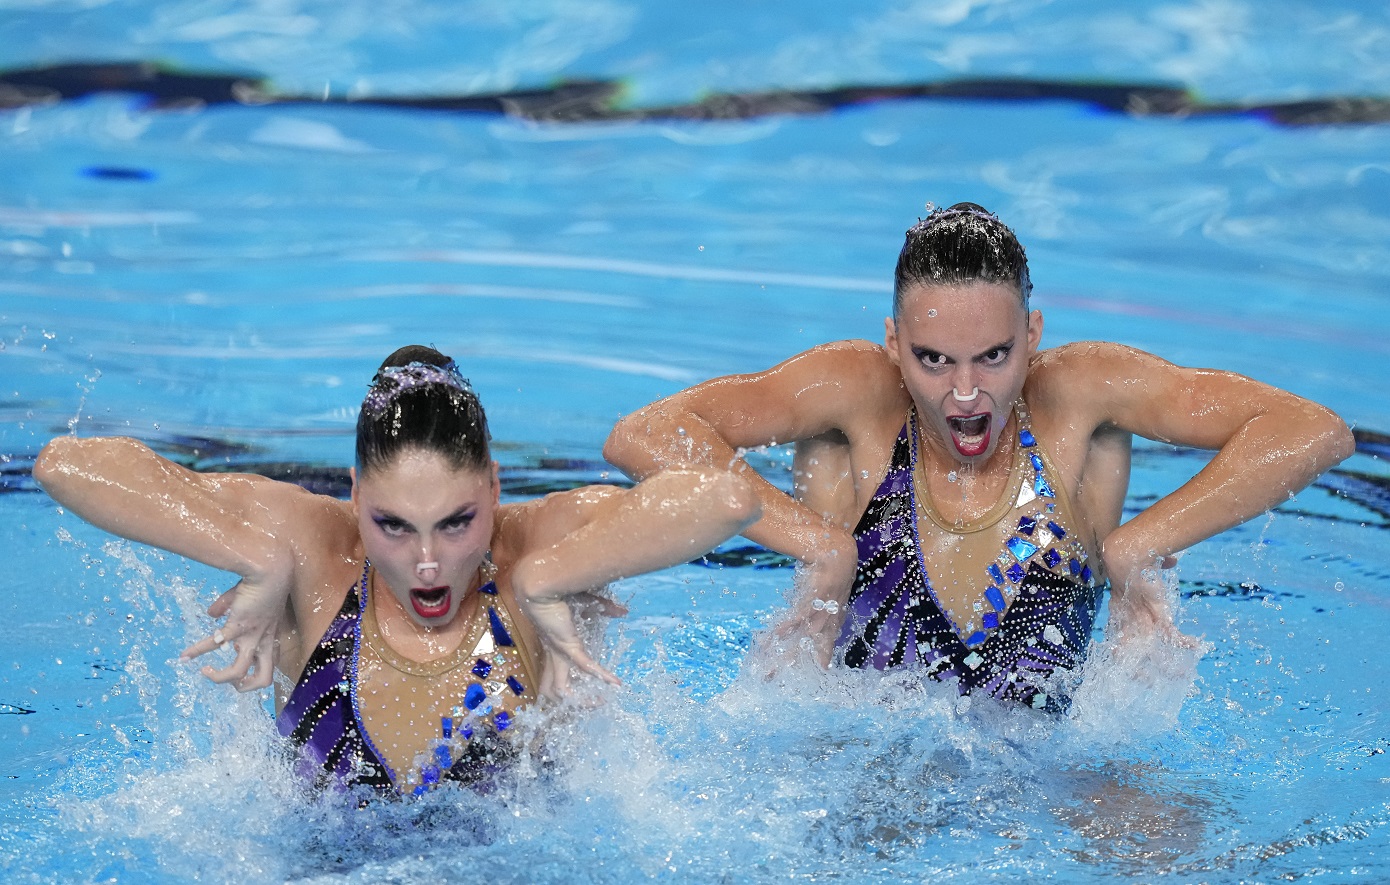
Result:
<point x="1025" y="438"/>
<point x="1042" y="488"/>
<point x="474" y="696"/>
<point x="443" y="758"/>
<point x="446" y="726"/>
<point x="995" y="573"/>
<point x="1056" y="530"/>
<point x="1052" y="557"/>
<point x="467" y="732"/>
<point x="489" y="588"/>
<point x="430" y="774"/>
<point x="976" y="638"/>
<point x="1021" y="549"/>
<point x="991" y="620"/>
<point x="1037" y="461"/>
<point x="1026" y="524"/>
<point x="482" y="668"/>
<point x="502" y="720"/>
<point x="499" y="632"/>
<point x="515" y="685"/>
<point x="996" y="599"/>
<point x="1015" y="573"/>
<point x="1074" y="567"/>
<point x="1086" y="574"/>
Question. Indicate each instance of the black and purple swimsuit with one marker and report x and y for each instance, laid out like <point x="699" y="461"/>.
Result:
<point x="1040" y="588"/>
<point x="321" y="717"/>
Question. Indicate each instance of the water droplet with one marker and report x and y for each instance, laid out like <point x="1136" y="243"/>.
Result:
<point x="952" y="476"/>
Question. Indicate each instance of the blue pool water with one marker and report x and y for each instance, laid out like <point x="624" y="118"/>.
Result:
<point x="220" y="281"/>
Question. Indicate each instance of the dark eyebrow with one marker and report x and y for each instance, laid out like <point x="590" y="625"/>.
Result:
<point x="922" y="349"/>
<point x="1006" y="345"/>
<point x="466" y="511"/>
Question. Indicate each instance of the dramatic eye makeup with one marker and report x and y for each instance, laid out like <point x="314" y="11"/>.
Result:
<point x="391" y="525"/>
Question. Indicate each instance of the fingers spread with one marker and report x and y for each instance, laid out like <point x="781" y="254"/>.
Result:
<point x="218" y="639"/>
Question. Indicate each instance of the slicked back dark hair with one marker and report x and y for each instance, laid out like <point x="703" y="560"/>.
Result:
<point x="419" y="401"/>
<point x="961" y="244"/>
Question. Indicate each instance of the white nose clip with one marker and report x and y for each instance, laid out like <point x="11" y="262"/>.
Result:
<point x="421" y="568"/>
<point x="974" y="392"/>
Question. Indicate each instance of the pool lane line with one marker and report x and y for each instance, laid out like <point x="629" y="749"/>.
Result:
<point x="588" y="101"/>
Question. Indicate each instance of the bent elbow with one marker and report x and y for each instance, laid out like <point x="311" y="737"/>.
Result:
<point x="67" y="463"/>
<point x="1341" y="442"/>
<point x="56" y="460"/>
<point x="633" y="444"/>
<point x="1329" y="439"/>
<point x="616" y="447"/>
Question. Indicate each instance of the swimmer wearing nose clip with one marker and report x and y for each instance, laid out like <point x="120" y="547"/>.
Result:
<point x="397" y="686"/>
<point x="990" y="582"/>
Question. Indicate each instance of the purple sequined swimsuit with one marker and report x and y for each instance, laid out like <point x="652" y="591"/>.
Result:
<point x="321" y="721"/>
<point x="1040" y="588"/>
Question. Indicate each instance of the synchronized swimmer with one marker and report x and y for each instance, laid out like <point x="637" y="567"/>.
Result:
<point x="959" y="490"/>
<point x="407" y="617"/>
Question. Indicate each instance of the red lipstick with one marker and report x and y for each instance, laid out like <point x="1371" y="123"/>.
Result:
<point x="430" y="602"/>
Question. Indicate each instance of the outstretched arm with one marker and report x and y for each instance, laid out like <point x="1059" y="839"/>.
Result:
<point x="585" y="539"/>
<point x="1269" y="444"/>
<point x="223" y="520"/>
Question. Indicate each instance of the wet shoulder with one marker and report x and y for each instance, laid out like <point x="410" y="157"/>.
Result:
<point x="866" y="374"/>
<point x="542" y="522"/>
<point x="1077" y="372"/>
<point x="856" y="353"/>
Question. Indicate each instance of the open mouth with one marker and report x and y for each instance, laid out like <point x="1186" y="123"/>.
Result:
<point x="430" y="602"/>
<point x="970" y="433"/>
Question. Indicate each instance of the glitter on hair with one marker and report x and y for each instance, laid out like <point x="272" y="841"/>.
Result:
<point x="419" y="400"/>
<point x="392" y="381"/>
<point x="936" y="215"/>
<point x="961" y="244"/>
